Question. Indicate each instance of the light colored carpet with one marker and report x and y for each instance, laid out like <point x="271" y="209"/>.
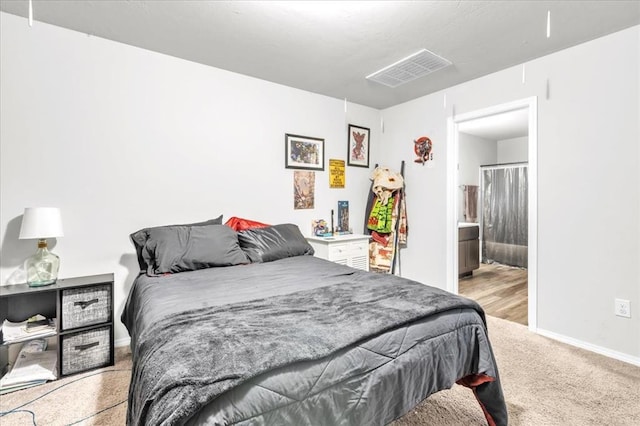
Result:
<point x="98" y="397"/>
<point x="545" y="383"/>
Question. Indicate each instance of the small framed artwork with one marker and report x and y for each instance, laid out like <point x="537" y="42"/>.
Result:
<point x="358" y="140"/>
<point x="304" y="189"/>
<point x="303" y="152"/>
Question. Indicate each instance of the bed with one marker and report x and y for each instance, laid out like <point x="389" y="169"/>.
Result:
<point x="269" y="334"/>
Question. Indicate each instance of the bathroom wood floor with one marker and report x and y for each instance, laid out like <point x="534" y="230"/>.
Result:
<point x="500" y="290"/>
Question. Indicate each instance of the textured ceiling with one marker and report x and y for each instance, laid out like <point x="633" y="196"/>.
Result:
<point x="329" y="47"/>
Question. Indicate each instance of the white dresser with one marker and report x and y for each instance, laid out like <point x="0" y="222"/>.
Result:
<point x="351" y="250"/>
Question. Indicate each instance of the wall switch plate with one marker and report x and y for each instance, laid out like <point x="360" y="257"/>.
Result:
<point x="623" y="308"/>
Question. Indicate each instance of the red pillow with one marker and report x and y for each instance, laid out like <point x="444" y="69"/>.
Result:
<point x="238" y="224"/>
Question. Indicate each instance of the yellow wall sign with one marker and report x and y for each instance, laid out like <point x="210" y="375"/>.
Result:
<point x="336" y="173"/>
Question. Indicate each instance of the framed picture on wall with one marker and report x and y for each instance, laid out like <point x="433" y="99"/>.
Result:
<point x="303" y="152"/>
<point x="358" y="140"/>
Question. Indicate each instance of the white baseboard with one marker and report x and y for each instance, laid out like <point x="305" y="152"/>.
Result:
<point x="122" y="342"/>
<point x="590" y="347"/>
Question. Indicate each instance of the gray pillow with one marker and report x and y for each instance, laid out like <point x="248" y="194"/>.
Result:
<point x="139" y="238"/>
<point x="273" y="243"/>
<point x="188" y="248"/>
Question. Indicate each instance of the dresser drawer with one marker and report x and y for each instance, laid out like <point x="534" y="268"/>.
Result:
<point x="86" y="350"/>
<point x="86" y="306"/>
<point x="338" y="251"/>
<point x="359" y="248"/>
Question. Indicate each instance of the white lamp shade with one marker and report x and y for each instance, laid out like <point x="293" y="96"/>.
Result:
<point x="41" y="222"/>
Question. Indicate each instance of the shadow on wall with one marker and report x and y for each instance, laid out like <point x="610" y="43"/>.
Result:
<point x="15" y="251"/>
<point x="129" y="261"/>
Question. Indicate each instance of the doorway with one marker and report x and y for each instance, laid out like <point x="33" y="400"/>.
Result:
<point x="491" y="137"/>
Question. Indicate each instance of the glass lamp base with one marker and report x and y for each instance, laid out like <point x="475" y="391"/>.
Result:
<point x="42" y="268"/>
<point x="40" y="283"/>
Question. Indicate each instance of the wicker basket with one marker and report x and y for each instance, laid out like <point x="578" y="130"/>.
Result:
<point x="86" y="350"/>
<point x="86" y="306"/>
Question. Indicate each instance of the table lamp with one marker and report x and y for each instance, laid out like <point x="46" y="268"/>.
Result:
<point x="41" y="223"/>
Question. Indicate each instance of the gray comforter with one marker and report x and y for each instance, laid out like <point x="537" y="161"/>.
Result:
<point x="199" y="337"/>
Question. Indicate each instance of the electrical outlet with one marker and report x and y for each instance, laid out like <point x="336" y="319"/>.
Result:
<point x="623" y="308"/>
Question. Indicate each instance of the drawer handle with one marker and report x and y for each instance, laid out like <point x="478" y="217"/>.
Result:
<point x="83" y="305"/>
<point x="85" y="347"/>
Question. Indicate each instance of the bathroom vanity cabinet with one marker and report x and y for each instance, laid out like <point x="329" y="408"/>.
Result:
<point x="468" y="249"/>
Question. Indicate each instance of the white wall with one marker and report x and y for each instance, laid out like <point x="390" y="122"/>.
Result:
<point x="588" y="183"/>
<point x="513" y="150"/>
<point x="473" y="152"/>
<point x="122" y="138"/>
<point x="424" y="257"/>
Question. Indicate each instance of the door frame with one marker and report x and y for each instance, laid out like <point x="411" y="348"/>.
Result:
<point x="453" y="123"/>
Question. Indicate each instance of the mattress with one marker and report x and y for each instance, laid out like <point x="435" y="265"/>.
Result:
<point x="362" y="371"/>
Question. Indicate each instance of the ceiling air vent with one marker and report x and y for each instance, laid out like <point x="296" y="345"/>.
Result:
<point x="405" y="70"/>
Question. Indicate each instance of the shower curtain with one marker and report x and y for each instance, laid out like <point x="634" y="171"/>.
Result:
<point x="505" y="214"/>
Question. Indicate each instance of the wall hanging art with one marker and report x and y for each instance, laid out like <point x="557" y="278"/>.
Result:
<point x="336" y="174"/>
<point x="423" y="149"/>
<point x="358" y="141"/>
<point x="303" y="152"/>
<point x="304" y="189"/>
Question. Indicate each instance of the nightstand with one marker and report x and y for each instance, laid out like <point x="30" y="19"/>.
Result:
<point x="83" y="308"/>
<point x="350" y="249"/>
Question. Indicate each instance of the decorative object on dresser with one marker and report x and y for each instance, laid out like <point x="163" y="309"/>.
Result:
<point x="41" y="223"/>
<point x="81" y="309"/>
<point x="343" y="216"/>
<point x="350" y="249"/>
<point x="319" y="228"/>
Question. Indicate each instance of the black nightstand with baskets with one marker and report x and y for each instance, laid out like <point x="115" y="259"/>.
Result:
<point x="83" y="308"/>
